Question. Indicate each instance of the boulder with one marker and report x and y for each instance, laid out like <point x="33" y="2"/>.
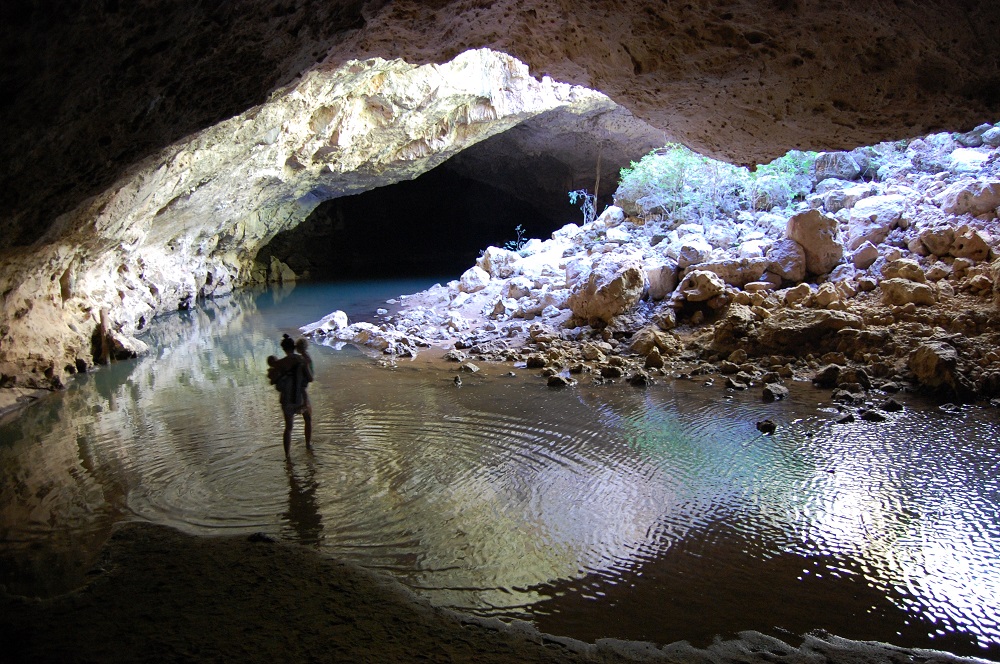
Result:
<point x="693" y="249"/>
<point x="973" y="138"/>
<point x="792" y="330"/>
<point x="840" y="165"/>
<point x="967" y="160"/>
<point x="650" y="338"/>
<point x="971" y="244"/>
<point x="901" y="292"/>
<point x="826" y="295"/>
<point x="737" y="324"/>
<point x="991" y="137"/>
<point x="701" y="285"/>
<point x="473" y="280"/>
<point x="787" y="259"/>
<point x="517" y="288"/>
<point x="873" y="218"/>
<point x="973" y="197"/>
<point x="799" y="293"/>
<point x="774" y="392"/>
<point x="865" y="256"/>
<point x="904" y="268"/>
<point x="497" y="262"/>
<point x="934" y="364"/>
<point x="820" y="240"/>
<point x="612" y="216"/>
<point x="754" y="248"/>
<point x="938" y="239"/>
<point x="618" y="234"/>
<point x="662" y="280"/>
<point x="737" y="272"/>
<point x="328" y="324"/>
<point x="931" y="154"/>
<point x="611" y="288"/>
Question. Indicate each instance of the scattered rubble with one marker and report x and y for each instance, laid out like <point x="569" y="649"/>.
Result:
<point x="863" y="286"/>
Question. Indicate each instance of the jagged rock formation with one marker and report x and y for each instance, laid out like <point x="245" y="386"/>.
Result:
<point x="99" y="98"/>
<point x="188" y="222"/>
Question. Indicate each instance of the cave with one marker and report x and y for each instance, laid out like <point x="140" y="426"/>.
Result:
<point x="163" y="161"/>
<point x="492" y="194"/>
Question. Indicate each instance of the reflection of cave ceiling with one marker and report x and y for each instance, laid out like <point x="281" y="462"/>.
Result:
<point x="87" y="90"/>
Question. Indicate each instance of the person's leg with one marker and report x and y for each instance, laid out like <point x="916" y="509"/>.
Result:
<point x="307" y="417"/>
<point x="287" y="438"/>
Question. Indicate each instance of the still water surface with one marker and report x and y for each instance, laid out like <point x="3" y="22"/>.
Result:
<point x="656" y="514"/>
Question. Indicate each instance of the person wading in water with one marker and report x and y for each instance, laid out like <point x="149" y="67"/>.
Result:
<point x="290" y="375"/>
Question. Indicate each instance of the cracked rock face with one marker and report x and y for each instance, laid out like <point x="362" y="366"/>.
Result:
<point x="188" y="222"/>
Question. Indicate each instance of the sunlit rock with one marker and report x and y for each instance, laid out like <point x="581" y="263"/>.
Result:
<point x="474" y="279"/>
<point x="787" y="259"/>
<point x="611" y="287"/>
<point x="904" y="268"/>
<point x="820" y="239"/>
<point x="872" y="219"/>
<point x="970" y="197"/>
<point x="700" y="286"/>
<point x="840" y="165"/>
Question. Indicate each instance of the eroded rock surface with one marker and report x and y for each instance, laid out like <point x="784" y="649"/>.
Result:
<point x="913" y="306"/>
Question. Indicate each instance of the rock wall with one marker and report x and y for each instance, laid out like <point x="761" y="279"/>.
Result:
<point x="188" y="222"/>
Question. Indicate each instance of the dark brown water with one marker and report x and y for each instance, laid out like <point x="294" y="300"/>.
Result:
<point x="658" y="514"/>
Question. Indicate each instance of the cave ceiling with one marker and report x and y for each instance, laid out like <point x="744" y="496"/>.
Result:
<point x="90" y="88"/>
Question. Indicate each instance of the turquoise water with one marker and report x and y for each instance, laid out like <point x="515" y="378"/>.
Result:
<point x="658" y="514"/>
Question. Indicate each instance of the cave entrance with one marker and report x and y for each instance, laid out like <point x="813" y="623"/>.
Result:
<point x="436" y="224"/>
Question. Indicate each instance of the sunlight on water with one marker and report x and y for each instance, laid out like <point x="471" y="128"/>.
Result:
<point x="663" y="507"/>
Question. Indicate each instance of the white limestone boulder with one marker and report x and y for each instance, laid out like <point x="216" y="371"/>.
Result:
<point x="865" y="256"/>
<point x="473" y="280"/>
<point x="328" y="324"/>
<point x="737" y="271"/>
<point x="938" y="239"/>
<point x="612" y="287"/>
<point x="970" y="243"/>
<point x="662" y="279"/>
<point x="700" y="286"/>
<point x="693" y="249"/>
<point x="820" y="239"/>
<point x="973" y="197"/>
<point x="873" y="218"/>
<point x="904" y="268"/>
<point x="497" y="262"/>
<point x="934" y="363"/>
<point x="840" y="165"/>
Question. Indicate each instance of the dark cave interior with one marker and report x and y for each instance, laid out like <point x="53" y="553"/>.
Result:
<point x="435" y="225"/>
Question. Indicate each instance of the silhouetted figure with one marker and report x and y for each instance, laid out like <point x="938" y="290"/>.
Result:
<point x="290" y="375"/>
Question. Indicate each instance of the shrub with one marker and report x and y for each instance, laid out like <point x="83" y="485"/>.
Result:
<point x="678" y="184"/>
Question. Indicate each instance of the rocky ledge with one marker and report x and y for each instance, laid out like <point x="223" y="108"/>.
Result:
<point x="879" y="277"/>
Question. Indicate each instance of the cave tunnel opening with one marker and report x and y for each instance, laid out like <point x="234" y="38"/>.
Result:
<point x="435" y="225"/>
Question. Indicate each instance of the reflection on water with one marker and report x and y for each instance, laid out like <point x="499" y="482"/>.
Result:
<point x="657" y="514"/>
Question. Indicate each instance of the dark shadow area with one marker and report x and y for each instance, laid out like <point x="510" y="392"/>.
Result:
<point x="436" y="224"/>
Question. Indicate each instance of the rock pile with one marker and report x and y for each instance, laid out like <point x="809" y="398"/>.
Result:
<point x="881" y="277"/>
